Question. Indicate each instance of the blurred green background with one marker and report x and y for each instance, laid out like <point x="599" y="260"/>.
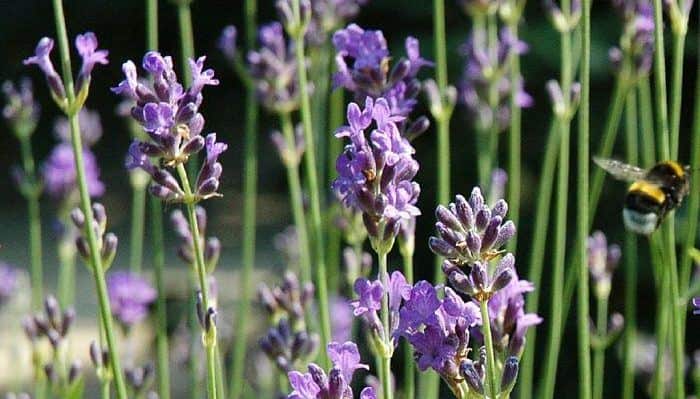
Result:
<point x="119" y="26"/>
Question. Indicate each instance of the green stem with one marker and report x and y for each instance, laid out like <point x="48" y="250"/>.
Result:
<point x="33" y="209"/>
<point x="660" y="75"/>
<point x="648" y="153"/>
<point x="599" y="350"/>
<point x="200" y="270"/>
<point x="385" y="376"/>
<point x="66" y="273"/>
<point x="320" y="63"/>
<point x="250" y="189"/>
<point x="104" y="389"/>
<point x="161" y="315"/>
<point x="152" y="25"/>
<point x="85" y="203"/>
<point x="312" y="180"/>
<point x="630" y="257"/>
<point x="536" y="261"/>
<point x="584" y="339"/>
<point x="658" y="383"/>
<point x="138" y="211"/>
<point x="491" y="387"/>
<point x="676" y="90"/>
<point x="194" y="361"/>
<point x="335" y="119"/>
<point x="409" y="383"/>
<point x="514" y="139"/>
<point x="296" y="198"/>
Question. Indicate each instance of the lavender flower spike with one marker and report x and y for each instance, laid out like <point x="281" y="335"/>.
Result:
<point x="21" y="110"/>
<point x="86" y="44"/>
<point x="42" y="59"/>
<point x="130" y="296"/>
<point x="375" y="173"/>
<point x="602" y="262"/>
<point x="59" y="176"/>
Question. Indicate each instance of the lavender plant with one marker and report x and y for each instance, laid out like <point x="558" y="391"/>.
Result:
<point x="169" y="115"/>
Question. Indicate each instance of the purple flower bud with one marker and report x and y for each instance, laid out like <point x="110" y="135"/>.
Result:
<point x="510" y="374"/>
<point x="86" y="44"/>
<point x="41" y="59"/>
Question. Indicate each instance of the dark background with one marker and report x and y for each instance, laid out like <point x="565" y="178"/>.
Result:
<point x="119" y="26"/>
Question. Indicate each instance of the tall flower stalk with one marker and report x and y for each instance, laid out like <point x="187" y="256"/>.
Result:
<point x="564" y="98"/>
<point x="169" y="115"/>
<point x="70" y="98"/>
<point x="297" y="18"/>
<point x="22" y="114"/>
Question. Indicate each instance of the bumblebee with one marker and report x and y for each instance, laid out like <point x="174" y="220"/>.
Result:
<point x="652" y="193"/>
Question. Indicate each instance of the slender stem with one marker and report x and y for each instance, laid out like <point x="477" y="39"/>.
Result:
<point x="554" y="342"/>
<point x="630" y="256"/>
<point x="599" y="350"/>
<point x="85" y="204"/>
<point x="409" y="383"/>
<point x="333" y="258"/>
<point x="138" y="211"/>
<point x="104" y="388"/>
<point x="660" y="89"/>
<point x="184" y="19"/>
<point x="33" y="209"/>
<point x="514" y="163"/>
<point x="536" y="261"/>
<point x="646" y="117"/>
<point x="296" y="198"/>
<point x="584" y="339"/>
<point x="152" y="24"/>
<point x="658" y="383"/>
<point x="161" y="315"/>
<point x="491" y="388"/>
<point x="676" y="90"/>
<point x="320" y="64"/>
<point x="250" y="189"/>
<point x="312" y="180"/>
<point x="66" y="274"/>
<point x="194" y="361"/>
<point x="385" y="376"/>
<point x="200" y="270"/>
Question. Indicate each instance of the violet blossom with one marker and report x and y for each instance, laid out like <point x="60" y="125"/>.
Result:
<point x="362" y="61"/>
<point x="9" y="282"/>
<point x="287" y="346"/>
<point x="486" y="82"/>
<point x="602" y="262"/>
<point x="86" y="44"/>
<point x="369" y="303"/>
<point x="21" y="111"/>
<point x="130" y="297"/>
<point x="633" y="58"/>
<point x="316" y="384"/>
<point x="169" y="114"/>
<point x="376" y="171"/>
<point x="60" y="178"/>
<point x="289" y="300"/>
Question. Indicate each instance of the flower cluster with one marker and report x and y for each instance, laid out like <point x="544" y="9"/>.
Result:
<point x="106" y="241"/>
<point x="9" y="281"/>
<point x="130" y="297"/>
<point x="169" y="114"/>
<point x="21" y="110"/>
<point x="438" y="329"/>
<point x="288" y="342"/>
<point x="327" y="15"/>
<point x="273" y="69"/>
<point x="602" y="262"/>
<point x="58" y="172"/>
<point x="362" y="61"/>
<point x="634" y="56"/>
<point x="86" y="44"/>
<point x="375" y="173"/>
<point x="471" y="231"/>
<point x="316" y="384"/>
<point x="486" y="81"/>
<point x="369" y="303"/>
<point x="54" y="324"/>
<point x="211" y="245"/>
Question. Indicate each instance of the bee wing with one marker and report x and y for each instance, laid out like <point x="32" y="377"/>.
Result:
<point x="620" y="170"/>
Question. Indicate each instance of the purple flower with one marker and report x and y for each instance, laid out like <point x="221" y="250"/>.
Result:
<point x="90" y="128"/>
<point x="469" y="231"/>
<point x="362" y="61"/>
<point x="129" y="296"/>
<point x="327" y="15"/>
<point x="273" y="68"/>
<point x="636" y="48"/>
<point x="21" y="110"/>
<point x="369" y="301"/>
<point x="9" y="282"/>
<point x="438" y="329"/>
<point x="315" y="384"/>
<point x="341" y="319"/>
<point x="696" y="305"/>
<point x="375" y="173"/>
<point x="602" y="262"/>
<point x="509" y="322"/>
<point x="42" y="59"/>
<point x="210" y="245"/>
<point x="227" y="42"/>
<point x="58" y="173"/>
<point x="169" y="114"/>
<point x="287" y="347"/>
<point x="486" y="72"/>
<point x="86" y="44"/>
<point x="291" y="299"/>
